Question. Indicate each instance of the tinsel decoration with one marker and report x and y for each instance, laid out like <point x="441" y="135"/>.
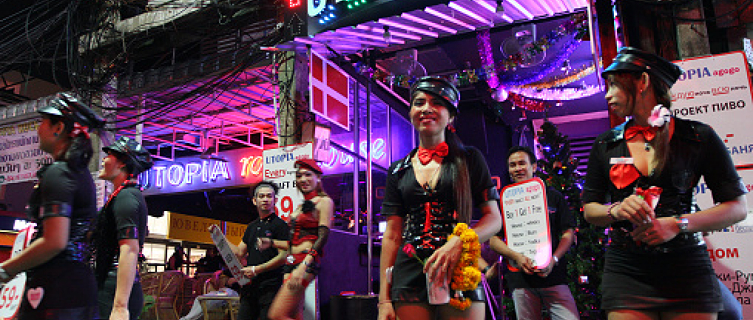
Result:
<point x="556" y="94"/>
<point x="558" y="81"/>
<point x="532" y="105"/>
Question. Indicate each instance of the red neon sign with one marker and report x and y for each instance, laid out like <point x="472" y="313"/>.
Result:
<point x="294" y="4"/>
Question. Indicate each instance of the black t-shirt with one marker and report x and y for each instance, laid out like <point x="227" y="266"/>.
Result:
<point x="130" y="211"/>
<point x="560" y="220"/>
<point x="270" y="227"/>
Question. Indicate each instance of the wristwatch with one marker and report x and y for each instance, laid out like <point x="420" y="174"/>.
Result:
<point x="682" y="224"/>
<point x="4" y="274"/>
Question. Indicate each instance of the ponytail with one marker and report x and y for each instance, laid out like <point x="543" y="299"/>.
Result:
<point x="661" y="141"/>
<point x="80" y="151"/>
<point x="457" y="169"/>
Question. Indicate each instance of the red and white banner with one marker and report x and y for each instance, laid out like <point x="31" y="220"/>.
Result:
<point x="329" y="89"/>
<point x="716" y="90"/>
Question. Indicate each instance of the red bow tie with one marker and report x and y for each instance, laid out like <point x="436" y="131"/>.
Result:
<point x="648" y="132"/>
<point x="425" y="155"/>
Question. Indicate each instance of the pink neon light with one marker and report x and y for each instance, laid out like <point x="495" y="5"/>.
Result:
<point x="567" y="5"/>
<point x="548" y="8"/>
<point x="486" y="5"/>
<point x="440" y="15"/>
<point x="369" y="36"/>
<point x="469" y="13"/>
<point x="308" y="41"/>
<point x="507" y="18"/>
<point x="520" y="8"/>
<point x="379" y="30"/>
<point x="335" y="39"/>
<point x="428" y="23"/>
<point x="409" y="28"/>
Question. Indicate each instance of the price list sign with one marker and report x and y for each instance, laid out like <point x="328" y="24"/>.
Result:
<point x="13" y="291"/>
<point x="227" y="254"/>
<point x="526" y="219"/>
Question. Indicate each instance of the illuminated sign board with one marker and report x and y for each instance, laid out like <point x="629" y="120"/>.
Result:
<point x="233" y="168"/>
<point x="341" y="161"/>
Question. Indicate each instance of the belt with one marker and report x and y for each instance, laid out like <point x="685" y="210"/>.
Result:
<point x="620" y="238"/>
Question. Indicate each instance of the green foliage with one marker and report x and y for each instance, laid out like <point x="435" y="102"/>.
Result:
<point x="558" y="169"/>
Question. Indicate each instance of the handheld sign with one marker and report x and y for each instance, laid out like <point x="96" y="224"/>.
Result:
<point x="230" y="259"/>
<point x="12" y="293"/>
<point x="526" y="220"/>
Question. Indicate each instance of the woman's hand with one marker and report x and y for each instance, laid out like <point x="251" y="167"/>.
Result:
<point x="443" y="261"/>
<point x="299" y="278"/>
<point x="657" y="232"/>
<point x="634" y="209"/>
<point x="386" y="311"/>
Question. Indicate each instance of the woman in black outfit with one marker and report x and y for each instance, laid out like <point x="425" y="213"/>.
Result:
<point x="656" y="264"/>
<point x="62" y="204"/>
<point x="120" y="232"/>
<point x="428" y="192"/>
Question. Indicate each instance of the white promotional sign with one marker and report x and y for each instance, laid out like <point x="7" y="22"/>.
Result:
<point x="12" y="292"/>
<point x="20" y="156"/>
<point x="716" y="90"/>
<point x="526" y="220"/>
<point x="227" y="254"/>
<point x="279" y="168"/>
<point x="728" y="248"/>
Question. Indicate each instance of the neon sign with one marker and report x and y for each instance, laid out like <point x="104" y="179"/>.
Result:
<point x="238" y="167"/>
<point x="180" y="174"/>
<point x="377" y="151"/>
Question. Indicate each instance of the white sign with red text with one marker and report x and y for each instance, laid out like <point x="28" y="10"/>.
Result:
<point x="716" y="90"/>
<point x="12" y="292"/>
<point x="526" y="220"/>
<point x="731" y="256"/>
<point x="279" y="168"/>
<point x="227" y="254"/>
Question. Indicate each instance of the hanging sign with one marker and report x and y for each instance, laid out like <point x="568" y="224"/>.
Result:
<point x="279" y="168"/>
<point x="526" y="221"/>
<point x="716" y="90"/>
<point x="20" y="156"/>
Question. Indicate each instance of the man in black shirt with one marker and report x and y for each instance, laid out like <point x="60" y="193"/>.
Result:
<point x="534" y="290"/>
<point x="263" y="267"/>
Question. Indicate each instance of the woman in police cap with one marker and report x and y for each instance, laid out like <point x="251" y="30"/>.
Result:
<point x="309" y="229"/>
<point x="60" y="284"/>
<point x="640" y="181"/>
<point x="427" y="193"/>
<point x="120" y="231"/>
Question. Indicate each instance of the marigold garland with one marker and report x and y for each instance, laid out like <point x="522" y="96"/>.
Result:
<point x="466" y="275"/>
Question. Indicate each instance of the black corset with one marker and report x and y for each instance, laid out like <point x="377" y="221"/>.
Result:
<point x="426" y="235"/>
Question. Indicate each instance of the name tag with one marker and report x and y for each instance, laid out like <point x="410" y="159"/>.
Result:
<point x="621" y="161"/>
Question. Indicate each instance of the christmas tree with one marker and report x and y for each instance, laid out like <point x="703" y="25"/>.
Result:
<point x="558" y="169"/>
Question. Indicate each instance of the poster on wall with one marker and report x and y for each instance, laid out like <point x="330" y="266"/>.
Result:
<point x="716" y="90"/>
<point x="20" y="156"/>
<point x="731" y="256"/>
<point x="278" y="168"/>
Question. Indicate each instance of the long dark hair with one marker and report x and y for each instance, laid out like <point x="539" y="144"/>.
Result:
<point x="457" y="169"/>
<point x="626" y="80"/>
<point x="80" y="150"/>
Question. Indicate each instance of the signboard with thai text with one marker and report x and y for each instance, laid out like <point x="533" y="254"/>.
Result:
<point x="279" y="168"/>
<point x="716" y="90"/>
<point x="526" y="221"/>
<point x="240" y="167"/>
<point x="20" y="156"/>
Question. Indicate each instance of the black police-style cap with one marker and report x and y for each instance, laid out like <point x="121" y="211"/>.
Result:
<point x="136" y="156"/>
<point x="439" y="87"/>
<point x="71" y="109"/>
<point x="632" y="59"/>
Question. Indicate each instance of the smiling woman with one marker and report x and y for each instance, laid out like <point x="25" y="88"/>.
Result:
<point x="427" y="194"/>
